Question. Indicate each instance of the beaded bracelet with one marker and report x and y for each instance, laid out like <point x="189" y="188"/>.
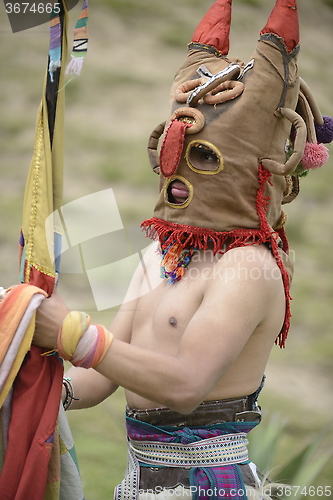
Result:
<point x="69" y="397"/>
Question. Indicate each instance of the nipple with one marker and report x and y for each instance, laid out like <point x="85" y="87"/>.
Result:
<point x="172" y="321"/>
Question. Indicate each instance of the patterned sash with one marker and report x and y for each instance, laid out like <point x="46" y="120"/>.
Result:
<point x="221" y="450"/>
<point x="211" y="452"/>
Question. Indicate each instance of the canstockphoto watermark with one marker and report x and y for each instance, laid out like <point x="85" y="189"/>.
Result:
<point x="88" y="236"/>
<point x="269" y="491"/>
<point x="246" y="264"/>
<point x="235" y="272"/>
<point x="199" y="492"/>
<point x="28" y="14"/>
<point x="244" y="254"/>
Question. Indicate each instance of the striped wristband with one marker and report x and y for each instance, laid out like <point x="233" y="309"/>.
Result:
<point x="82" y="343"/>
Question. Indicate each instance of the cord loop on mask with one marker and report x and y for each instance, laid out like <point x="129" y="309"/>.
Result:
<point x="226" y="91"/>
<point x="192" y="116"/>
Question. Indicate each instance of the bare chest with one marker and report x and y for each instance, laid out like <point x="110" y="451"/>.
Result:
<point x="163" y="314"/>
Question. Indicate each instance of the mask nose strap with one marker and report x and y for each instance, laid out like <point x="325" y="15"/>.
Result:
<point x="172" y="147"/>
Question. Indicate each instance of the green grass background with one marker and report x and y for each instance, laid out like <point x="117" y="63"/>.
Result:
<point x="134" y="50"/>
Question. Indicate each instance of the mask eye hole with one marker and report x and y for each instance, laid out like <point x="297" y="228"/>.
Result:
<point x="204" y="158"/>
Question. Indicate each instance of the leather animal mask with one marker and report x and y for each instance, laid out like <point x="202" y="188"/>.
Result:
<point x="236" y="134"/>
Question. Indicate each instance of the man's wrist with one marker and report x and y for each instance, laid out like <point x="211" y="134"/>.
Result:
<point x="82" y="343"/>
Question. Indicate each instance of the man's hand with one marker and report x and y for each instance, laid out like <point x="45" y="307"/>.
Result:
<point x="49" y="318"/>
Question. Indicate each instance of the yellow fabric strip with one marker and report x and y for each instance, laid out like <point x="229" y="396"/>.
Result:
<point x="44" y="187"/>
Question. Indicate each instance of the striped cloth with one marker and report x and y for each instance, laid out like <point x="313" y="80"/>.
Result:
<point x="55" y="49"/>
<point x="37" y="454"/>
<point x="212" y="453"/>
<point x="80" y="43"/>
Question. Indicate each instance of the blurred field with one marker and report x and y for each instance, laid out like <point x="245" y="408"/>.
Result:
<point x="134" y="50"/>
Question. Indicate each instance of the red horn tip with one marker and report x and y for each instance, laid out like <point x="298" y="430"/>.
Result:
<point x="283" y="21"/>
<point x="214" y="29"/>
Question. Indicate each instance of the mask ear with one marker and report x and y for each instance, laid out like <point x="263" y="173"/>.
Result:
<point x="214" y="28"/>
<point x="283" y="22"/>
<point x="323" y="125"/>
<point x="315" y="153"/>
<point x="153" y="145"/>
<point x="299" y="144"/>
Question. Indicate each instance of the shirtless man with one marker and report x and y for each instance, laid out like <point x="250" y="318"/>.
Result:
<point x="206" y="337"/>
<point x="191" y="352"/>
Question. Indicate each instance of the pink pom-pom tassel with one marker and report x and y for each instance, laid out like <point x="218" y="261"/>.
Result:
<point x="314" y="156"/>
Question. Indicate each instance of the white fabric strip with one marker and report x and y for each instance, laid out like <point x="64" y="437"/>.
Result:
<point x="85" y="344"/>
<point x="221" y="450"/>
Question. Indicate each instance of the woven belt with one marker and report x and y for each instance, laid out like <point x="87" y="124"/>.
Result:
<point x="218" y="451"/>
<point x="222" y="450"/>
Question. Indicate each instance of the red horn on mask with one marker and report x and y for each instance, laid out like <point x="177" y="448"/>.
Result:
<point x="283" y="22"/>
<point x="214" y="28"/>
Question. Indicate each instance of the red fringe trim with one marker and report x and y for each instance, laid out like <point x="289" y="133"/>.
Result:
<point x="261" y="203"/>
<point x="285" y="243"/>
<point x="190" y="236"/>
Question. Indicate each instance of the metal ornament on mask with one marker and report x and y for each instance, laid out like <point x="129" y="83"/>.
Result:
<point x="213" y="81"/>
<point x="220" y="87"/>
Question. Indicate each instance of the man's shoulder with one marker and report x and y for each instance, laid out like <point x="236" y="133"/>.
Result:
<point x="244" y="287"/>
<point x="249" y="255"/>
<point x="252" y="266"/>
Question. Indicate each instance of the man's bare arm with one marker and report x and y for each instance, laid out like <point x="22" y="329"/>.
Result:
<point x="226" y="319"/>
<point x="211" y="343"/>
<point x="90" y="387"/>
